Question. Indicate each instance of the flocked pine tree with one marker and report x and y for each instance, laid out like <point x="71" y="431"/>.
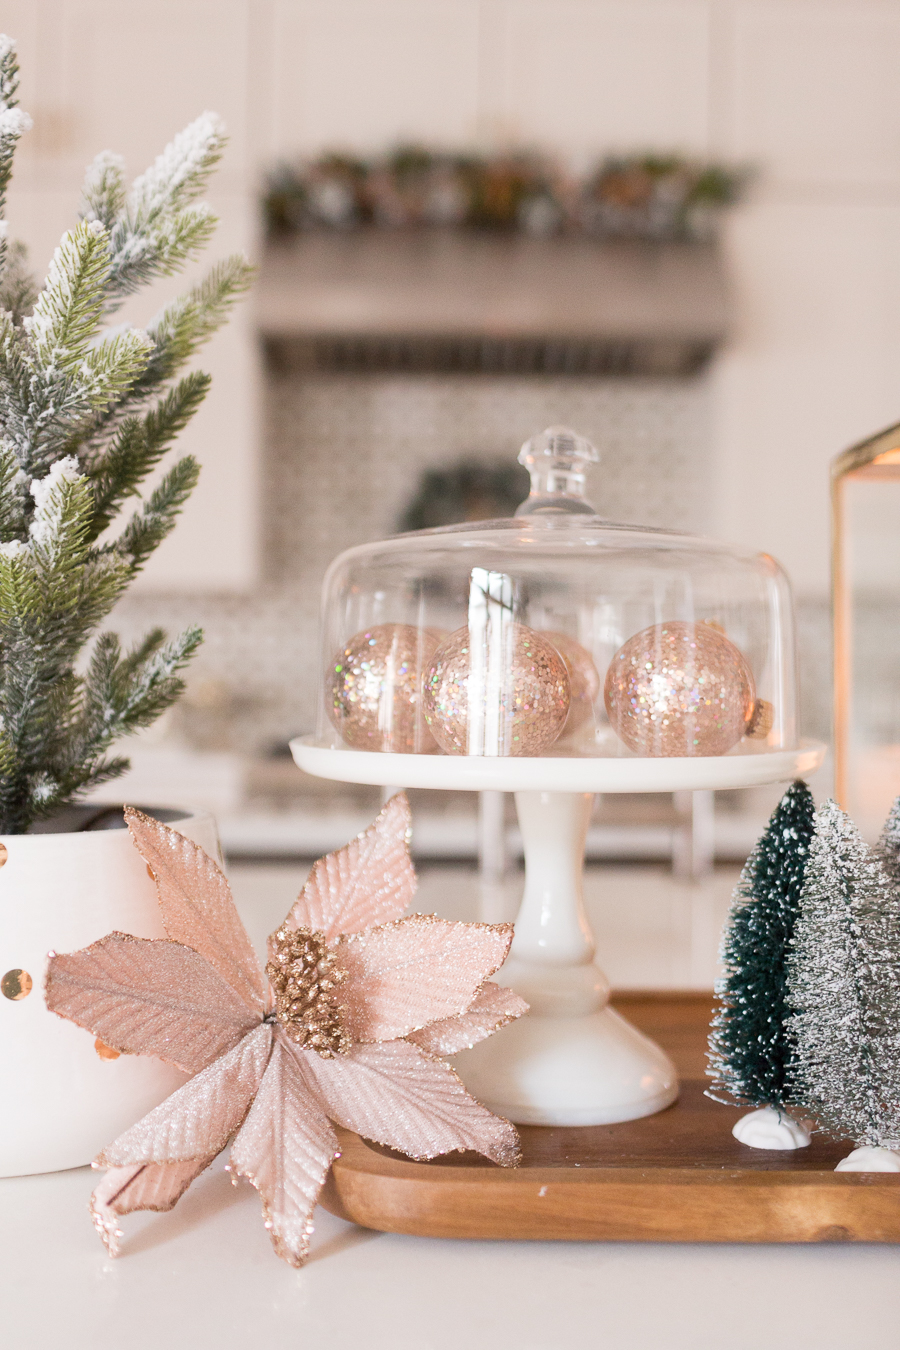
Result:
<point x="750" y="1051"/>
<point x="844" y="982"/>
<point x="86" y="412"/>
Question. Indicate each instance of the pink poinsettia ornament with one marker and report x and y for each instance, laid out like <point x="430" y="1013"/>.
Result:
<point x="347" y="1029"/>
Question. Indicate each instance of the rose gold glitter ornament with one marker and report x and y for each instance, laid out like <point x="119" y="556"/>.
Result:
<point x="373" y="692"/>
<point x="679" y="689"/>
<point x="524" y="696"/>
<point x="584" y="679"/>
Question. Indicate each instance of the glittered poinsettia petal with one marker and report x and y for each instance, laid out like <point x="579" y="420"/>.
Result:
<point x="197" y="907"/>
<point x="198" y="1119"/>
<point x="145" y="996"/>
<point x="285" y="1148"/>
<point x="395" y="1095"/>
<point x="156" y="1186"/>
<point x="492" y="1008"/>
<point x="370" y="881"/>
<point x="418" y="970"/>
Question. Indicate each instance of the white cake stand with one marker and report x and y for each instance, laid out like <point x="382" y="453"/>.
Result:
<point x="572" y="1060"/>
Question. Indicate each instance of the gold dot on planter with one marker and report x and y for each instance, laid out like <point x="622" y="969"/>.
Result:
<point x="105" y="1051"/>
<point x="4" y="854"/>
<point x="16" y="984"/>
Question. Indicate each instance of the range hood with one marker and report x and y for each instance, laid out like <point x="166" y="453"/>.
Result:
<point x="463" y="301"/>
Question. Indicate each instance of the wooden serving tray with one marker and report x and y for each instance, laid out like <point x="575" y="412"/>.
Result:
<point x="679" y="1176"/>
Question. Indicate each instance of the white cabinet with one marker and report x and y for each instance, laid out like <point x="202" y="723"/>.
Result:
<point x="365" y="74"/>
<point x="593" y="76"/>
<point x="813" y="90"/>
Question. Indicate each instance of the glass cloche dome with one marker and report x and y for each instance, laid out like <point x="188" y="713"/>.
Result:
<point x="556" y="633"/>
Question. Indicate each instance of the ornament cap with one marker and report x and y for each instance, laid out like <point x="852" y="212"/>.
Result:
<point x="557" y="460"/>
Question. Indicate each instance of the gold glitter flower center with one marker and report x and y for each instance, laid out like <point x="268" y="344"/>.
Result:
<point x="305" y="979"/>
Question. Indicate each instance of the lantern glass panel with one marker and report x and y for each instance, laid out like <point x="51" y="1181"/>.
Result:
<point x="866" y="497"/>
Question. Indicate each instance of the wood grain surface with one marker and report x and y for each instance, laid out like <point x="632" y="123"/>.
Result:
<point x="679" y="1176"/>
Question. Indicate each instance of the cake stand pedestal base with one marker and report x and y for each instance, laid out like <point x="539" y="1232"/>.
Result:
<point x="572" y="1060"/>
<point x="594" y="1070"/>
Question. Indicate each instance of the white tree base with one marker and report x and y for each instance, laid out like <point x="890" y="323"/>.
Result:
<point x="870" y="1160"/>
<point x="771" y="1128"/>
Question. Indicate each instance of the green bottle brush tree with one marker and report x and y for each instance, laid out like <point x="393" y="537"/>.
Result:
<point x="751" y="1051"/>
<point x="87" y="411"/>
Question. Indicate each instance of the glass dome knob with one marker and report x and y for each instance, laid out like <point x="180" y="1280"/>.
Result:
<point x="557" y="460"/>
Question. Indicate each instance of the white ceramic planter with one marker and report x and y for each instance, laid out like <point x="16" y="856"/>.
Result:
<point x="62" y="1101"/>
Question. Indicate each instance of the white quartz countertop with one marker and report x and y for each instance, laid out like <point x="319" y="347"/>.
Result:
<point x="206" y="1276"/>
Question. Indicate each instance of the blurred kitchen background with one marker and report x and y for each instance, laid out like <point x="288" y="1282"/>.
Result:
<point x="718" y="375"/>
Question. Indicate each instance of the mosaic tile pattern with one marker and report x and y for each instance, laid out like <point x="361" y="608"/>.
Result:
<point x="356" y="445"/>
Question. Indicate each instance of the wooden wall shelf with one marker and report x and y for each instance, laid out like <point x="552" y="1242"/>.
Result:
<point x="470" y="302"/>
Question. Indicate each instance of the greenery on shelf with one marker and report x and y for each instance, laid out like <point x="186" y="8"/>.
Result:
<point x="87" y="411"/>
<point x="662" y="197"/>
<point x="470" y="490"/>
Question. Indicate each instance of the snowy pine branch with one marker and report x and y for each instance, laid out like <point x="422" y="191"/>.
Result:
<point x="13" y="125"/>
<point x="124" y="693"/>
<point x="103" y="193"/>
<point x="18" y="288"/>
<point x="12" y="514"/>
<point x="9" y="72"/>
<point x="139" y="445"/>
<point x="67" y="312"/>
<point x="148" y="528"/>
<point x="59" y="371"/>
<point x="86" y="413"/>
<point x="158" y="225"/>
<point x="183" y="327"/>
<point x="181" y="172"/>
